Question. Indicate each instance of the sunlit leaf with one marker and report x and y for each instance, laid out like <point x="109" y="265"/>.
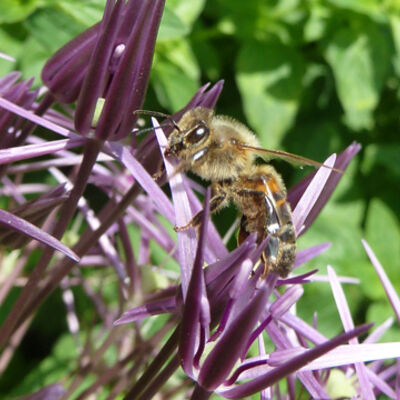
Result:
<point x="187" y="11"/>
<point x="359" y="57"/>
<point x="382" y="231"/>
<point x="339" y="385"/>
<point x="269" y="77"/>
<point x="382" y="154"/>
<point x="86" y="12"/>
<point x="13" y="11"/>
<point x="371" y="8"/>
<point x="172" y="26"/>
<point x="53" y="28"/>
<point x="175" y="74"/>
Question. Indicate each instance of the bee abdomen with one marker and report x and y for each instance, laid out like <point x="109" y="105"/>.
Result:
<point x="261" y="198"/>
<point x="286" y="251"/>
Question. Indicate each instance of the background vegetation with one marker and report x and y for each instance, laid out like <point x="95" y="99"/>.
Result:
<point x="309" y="77"/>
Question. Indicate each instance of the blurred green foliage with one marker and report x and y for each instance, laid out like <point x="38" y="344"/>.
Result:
<point x="308" y="76"/>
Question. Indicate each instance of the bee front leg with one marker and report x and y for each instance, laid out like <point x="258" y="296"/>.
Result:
<point x="159" y="174"/>
<point x="216" y="203"/>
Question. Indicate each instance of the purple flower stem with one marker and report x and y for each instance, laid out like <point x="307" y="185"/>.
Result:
<point x="98" y="69"/>
<point x="132" y="269"/>
<point x="201" y="347"/>
<point x="258" y="331"/>
<point x="223" y="321"/>
<point x="243" y="367"/>
<point x="345" y="315"/>
<point x="88" y="239"/>
<point x="387" y="285"/>
<point x="159" y="381"/>
<point x="271" y="377"/>
<point x="24" y="227"/>
<point x="397" y="382"/>
<point x="200" y="393"/>
<point x="43" y="106"/>
<point x="224" y="355"/>
<point x="10" y="106"/>
<point x="91" y="152"/>
<point x="191" y="313"/>
<point x="152" y="379"/>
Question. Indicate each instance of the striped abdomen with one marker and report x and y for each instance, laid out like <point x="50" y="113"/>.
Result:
<point x="261" y="197"/>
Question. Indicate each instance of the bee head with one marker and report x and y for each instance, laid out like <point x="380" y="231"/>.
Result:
<point x="191" y="135"/>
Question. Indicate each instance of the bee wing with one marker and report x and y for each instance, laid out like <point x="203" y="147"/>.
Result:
<point x="294" y="159"/>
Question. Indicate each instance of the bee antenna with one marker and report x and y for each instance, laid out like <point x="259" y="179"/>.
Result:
<point x="141" y="131"/>
<point x="158" y="114"/>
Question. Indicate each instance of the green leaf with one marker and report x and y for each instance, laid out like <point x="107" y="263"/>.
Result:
<point x="175" y="74"/>
<point x="54" y="368"/>
<point x="237" y="17"/>
<point x="321" y="134"/>
<point x="339" y="385"/>
<point x="324" y="307"/>
<point x="179" y="53"/>
<point x="208" y="58"/>
<point x="387" y="155"/>
<point x="371" y="8"/>
<point x="378" y="312"/>
<point x="339" y="224"/>
<point x="152" y="279"/>
<point x="315" y="26"/>
<point x="187" y="11"/>
<point x="11" y="43"/>
<point x="269" y="77"/>
<point x="382" y="232"/>
<point x="360" y="58"/>
<point x="52" y="28"/>
<point x="260" y="19"/>
<point x="173" y="88"/>
<point x="171" y="27"/>
<point x="394" y="21"/>
<point x="153" y="325"/>
<point x="12" y="11"/>
<point x="34" y="59"/>
<point x="86" y="13"/>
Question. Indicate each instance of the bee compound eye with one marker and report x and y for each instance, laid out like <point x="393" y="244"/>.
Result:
<point x="197" y="134"/>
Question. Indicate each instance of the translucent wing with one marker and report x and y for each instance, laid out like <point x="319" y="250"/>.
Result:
<point x="294" y="159"/>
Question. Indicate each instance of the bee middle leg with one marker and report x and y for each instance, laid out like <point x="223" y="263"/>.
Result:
<point x="216" y="202"/>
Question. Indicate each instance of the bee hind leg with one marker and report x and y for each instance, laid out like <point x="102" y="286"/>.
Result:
<point x="267" y="265"/>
